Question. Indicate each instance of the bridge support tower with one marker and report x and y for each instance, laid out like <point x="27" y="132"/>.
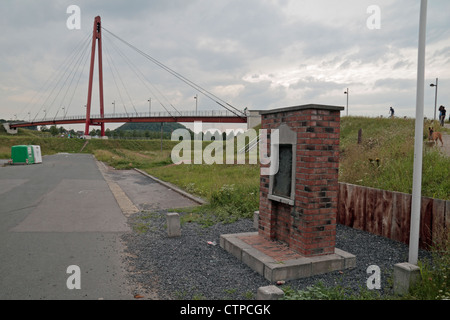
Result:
<point x="96" y="39"/>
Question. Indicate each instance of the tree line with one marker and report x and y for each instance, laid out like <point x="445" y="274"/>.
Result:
<point x="123" y="134"/>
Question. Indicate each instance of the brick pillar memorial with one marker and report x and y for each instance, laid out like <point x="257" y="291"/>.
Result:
<point x="298" y="205"/>
<point x="298" y="202"/>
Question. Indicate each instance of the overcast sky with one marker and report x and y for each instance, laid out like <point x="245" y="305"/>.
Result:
<point x="255" y="54"/>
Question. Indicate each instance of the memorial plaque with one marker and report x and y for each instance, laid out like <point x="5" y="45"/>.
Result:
<point x="283" y="179"/>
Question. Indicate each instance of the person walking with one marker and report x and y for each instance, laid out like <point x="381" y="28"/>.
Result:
<point x="442" y="113"/>
<point x="391" y="112"/>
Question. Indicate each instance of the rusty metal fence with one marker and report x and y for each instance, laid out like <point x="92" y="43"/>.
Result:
<point x="387" y="213"/>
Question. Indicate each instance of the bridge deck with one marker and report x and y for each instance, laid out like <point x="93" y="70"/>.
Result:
<point x="216" y="116"/>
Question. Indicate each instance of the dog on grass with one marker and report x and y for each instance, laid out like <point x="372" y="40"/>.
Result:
<point x="434" y="136"/>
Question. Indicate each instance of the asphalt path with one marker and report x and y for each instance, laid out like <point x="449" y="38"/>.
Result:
<point x="54" y="215"/>
<point x="71" y="210"/>
<point x="145" y="193"/>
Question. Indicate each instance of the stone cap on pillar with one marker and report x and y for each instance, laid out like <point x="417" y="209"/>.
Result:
<point x="303" y="107"/>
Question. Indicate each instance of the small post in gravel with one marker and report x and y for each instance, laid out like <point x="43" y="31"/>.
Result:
<point x="173" y="225"/>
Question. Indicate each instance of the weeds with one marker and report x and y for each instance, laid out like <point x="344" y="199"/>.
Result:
<point x="320" y="292"/>
<point x="435" y="274"/>
<point x="391" y="141"/>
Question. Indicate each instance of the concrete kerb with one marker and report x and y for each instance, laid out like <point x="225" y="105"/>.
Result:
<point x="125" y="204"/>
<point x="274" y="270"/>
<point x="172" y="187"/>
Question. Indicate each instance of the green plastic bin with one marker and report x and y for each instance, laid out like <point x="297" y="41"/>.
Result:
<point x="22" y="155"/>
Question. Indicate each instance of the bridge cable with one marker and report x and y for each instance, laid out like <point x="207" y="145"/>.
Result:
<point x="66" y="79"/>
<point x="74" y="71"/>
<point x="123" y="84"/>
<point x="47" y="83"/>
<point x="115" y="82"/>
<point x="180" y="77"/>
<point x="143" y="79"/>
<point x="62" y="73"/>
<point x="78" y="81"/>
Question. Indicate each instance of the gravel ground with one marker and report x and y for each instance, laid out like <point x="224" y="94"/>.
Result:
<point x="189" y="268"/>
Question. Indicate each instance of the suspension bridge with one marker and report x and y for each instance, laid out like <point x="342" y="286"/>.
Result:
<point x="226" y="114"/>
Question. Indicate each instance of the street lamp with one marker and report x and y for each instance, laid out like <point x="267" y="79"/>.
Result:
<point x="114" y="108"/>
<point x="149" y="106"/>
<point x="347" y="93"/>
<point x="196" y="100"/>
<point x="435" y="96"/>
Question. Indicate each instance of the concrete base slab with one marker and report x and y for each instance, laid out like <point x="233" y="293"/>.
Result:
<point x="277" y="262"/>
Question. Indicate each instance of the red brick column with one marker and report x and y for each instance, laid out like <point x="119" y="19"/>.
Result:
<point x="308" y="226"/>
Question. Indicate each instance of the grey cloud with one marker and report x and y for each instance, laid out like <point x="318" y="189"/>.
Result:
<point x="218" y="43"/>
<point x="395" y="84"/>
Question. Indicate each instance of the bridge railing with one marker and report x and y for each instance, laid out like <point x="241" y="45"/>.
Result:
<point x="157" y="114"/>
<point x="161" y="114"/>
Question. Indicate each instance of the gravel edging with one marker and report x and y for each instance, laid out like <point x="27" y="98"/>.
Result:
<point x="188" y="267"/>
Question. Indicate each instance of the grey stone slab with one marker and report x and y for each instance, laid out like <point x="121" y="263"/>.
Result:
<point x="274" y="270"/>
<point x="349" y="259"/>
<point x="288" y="270"/>
<point x="234" y="245"/>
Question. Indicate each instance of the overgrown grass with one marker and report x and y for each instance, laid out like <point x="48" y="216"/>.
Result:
<point x="385" y="157"/>
<point x="126" y="159"/>
<point x="435" y="274"/>
<point x="321" y="292"/>
<point x="230" y="190"/>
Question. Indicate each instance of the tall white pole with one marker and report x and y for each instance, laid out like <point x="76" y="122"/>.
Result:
<point x="418" y="146"/>
<point x="347" y="92"/>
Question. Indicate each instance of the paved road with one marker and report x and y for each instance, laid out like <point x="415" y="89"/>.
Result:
<point x="54" y="215"/>
<point x="71" y="210"/>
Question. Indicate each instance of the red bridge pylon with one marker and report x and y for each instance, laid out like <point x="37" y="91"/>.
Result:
<point x="96" y="37"/>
